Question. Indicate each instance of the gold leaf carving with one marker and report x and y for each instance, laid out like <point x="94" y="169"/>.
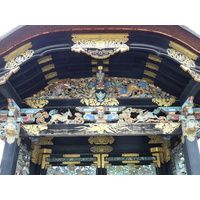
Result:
<point x="167" y="128"/>
<point x="164" y="101"/>
<point x="183" y="50"/>
<point x="106" y="102"/>
<point x="36" y="103"/>
<point x="17" y="52"/>
<point x="101" y="149"/>
<point x="102" y="128"/>
<point x="101" y="45"/>
<point x="101" y="140"/>
<point x="34" y="130"/>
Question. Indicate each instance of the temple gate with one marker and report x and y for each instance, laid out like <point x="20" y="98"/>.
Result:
<point x="121" y="101"/>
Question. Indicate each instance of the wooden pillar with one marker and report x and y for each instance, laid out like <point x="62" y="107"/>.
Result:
<point x="192" y="156"/>
<point x="9" y="159"/>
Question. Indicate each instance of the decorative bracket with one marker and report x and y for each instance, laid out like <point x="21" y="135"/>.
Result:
<point x="100" y="46"/>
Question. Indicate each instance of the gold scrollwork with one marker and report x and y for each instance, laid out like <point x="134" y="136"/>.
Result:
<point x="101" y="45"/>
<point x="18" y="60"/>
<point x="164" y="101"/>
<point x="36" y="103"/>
<point x="101" y="128"/>
<point x="180" y="57"/>
<point x="34" y="130"/>
<point x="101" y="149"/>
<point x="167" y="128"/>
<point x="101" y="140"/>
<point x="106" y="102"/>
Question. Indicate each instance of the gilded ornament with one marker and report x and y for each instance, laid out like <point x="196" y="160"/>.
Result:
<point x="44" y="59"/>
<point x="47" y="67"/>
<point x="101" y="45"/>
<point x="167" y="128"/>
<point x="103" y="128"/>
<point x="182" y="58"/>
<point x="155" y="58"/>
<point x="50" y="75"/>
<point x="36" y="103"/>
<point x="101" y="140"/>
<point x="101" y="149"/>
<point x="152" y="66"/>
<point x="164" y="101"/>
<point x="183" y="50"/>
<point x="155" y="139"/>
<point x="34" y="130"/>
<point x="149" y="73"/>
<point x="45" y="141"/>
<point x="106" y="102"/>
<point x="18" y="60"/>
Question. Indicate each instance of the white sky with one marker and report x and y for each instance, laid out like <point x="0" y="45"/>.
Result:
<point x="4" y="28"/>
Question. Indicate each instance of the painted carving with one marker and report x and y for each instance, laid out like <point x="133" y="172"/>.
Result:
<point x="93" y="91"/>
<point x="55" y="117"/>
<point x="9" y="130"/>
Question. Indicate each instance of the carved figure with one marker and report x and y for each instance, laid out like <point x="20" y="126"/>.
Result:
<point x="79" y="118"/>
<point x="129" y="90"/>
<point x="11" y="126"/>
<point x="144" y="116"/>
<point x="63" y="117"/>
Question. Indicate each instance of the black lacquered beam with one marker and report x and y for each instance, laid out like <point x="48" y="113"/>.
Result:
<point x="114" y="129"/>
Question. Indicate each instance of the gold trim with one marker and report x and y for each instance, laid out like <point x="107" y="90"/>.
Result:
<point x="52" y="81"/>
<point x="130" y="162"/>
<point x="7" y="75"/>
<point x="71" y="155"/>
<point x="106" y="102"/>
<point x="148" y="80"/>
<point x="183" y="50"/>
<point x="98" y="162"/>
<point x="100" y="45"/>
<point x="45" y="141"/>
<point x="50" y="75"/>
<point x="101" y="149"/>
<point x="164" y="101"/>
<point x="47" y="67"/>
<point x="101" y="139"/>
<point x="130" y="154"/>
<point x="71" y="163"/>
<point x="155" y="58"/>
<point x="103" y="162"/>
<point x="36" y="103"/>
<point x="156" y="149"/>
<point x="44" y="163"/>
<point x="17" y="52"/>
<point x="155" y="139"/>
<point x="44" y="59"/>
<point x="150" y="73"/>
<point x="34" y="130"/>
<point x="152" y="66"/>
<point x="167" y="128"/>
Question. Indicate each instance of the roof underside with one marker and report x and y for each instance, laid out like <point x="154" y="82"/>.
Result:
<point x="30" y="79"/>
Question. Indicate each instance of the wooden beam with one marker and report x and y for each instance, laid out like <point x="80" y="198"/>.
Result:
<point x="190" y="90"/>
<point x="9" y="92"/>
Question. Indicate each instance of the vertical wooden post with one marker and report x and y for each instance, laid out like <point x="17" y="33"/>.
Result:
<point x="9" y="159"/>
<point x="192" y="156"/>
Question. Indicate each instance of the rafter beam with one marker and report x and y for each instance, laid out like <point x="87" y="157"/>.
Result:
<point x="9" y="92"/>
<point x="190" y="90"/>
